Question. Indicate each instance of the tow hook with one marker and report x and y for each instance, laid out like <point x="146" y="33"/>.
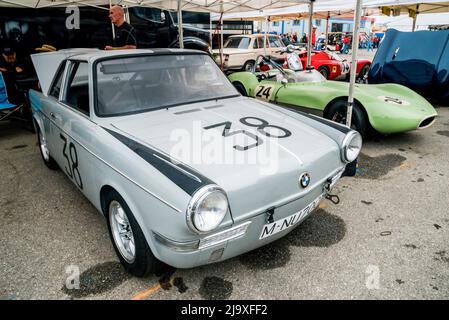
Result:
<point x="328" y="187"/>
<point x="269" y="215"/>
<point x="333" y="198"/>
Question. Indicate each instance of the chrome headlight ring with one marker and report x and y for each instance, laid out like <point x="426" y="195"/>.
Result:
<point x="351" y="146"/>
<point x="194" y="208"/>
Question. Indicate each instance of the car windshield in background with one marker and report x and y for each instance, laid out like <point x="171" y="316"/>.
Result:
<point x="238" y="43"/>
<point x="139" y="84"/>
<point x="334" y="56"/>
<point x="308" y="76"/>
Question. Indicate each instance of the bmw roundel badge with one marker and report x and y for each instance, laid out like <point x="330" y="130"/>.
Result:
<point x="304" y="180"/>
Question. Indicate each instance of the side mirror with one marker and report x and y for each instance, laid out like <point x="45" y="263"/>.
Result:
<point x="162" y="16"/>
<point x="290" y="48"/>
<point x="284" y="82"/>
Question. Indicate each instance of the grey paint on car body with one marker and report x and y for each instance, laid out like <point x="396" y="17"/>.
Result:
<point x="106" y="150"/>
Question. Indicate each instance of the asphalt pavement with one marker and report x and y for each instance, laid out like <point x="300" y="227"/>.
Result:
<point x="387" y="239"/>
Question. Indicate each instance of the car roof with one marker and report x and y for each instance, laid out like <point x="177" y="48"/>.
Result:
<point x="91" y="55"/>
<point x="253" y="35"/>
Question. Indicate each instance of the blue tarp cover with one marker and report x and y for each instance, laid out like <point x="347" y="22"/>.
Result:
<point x="418" y="60"/>
<point x="4" y="103"/>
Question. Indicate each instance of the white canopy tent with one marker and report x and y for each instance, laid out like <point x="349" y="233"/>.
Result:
<point x="411" y="7"/>
<point x="245" y="6"/>
<point x="217" y="6"/>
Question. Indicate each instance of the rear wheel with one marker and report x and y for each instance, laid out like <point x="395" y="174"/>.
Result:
<point x="337" y="112"/>
<point x="45" y="151"/>
<point x="324" y="71"/>
<point x="248" y="66"/>
<point x="240" y="88"/>
<point x="127" y="237"/>
<point x="364" y="72"/>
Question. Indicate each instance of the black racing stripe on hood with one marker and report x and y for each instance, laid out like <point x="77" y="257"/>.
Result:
<point x="181" y="175"/>
<point x="335" y="125"/>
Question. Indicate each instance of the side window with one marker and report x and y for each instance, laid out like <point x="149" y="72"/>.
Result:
<point x="255" y="46"/>
<point x="279" y="42"/>
<point x="260" y="42"/>
<point x="77" y="93"/>
<point x="274" y="43"/>
<point x="56" y="87"/>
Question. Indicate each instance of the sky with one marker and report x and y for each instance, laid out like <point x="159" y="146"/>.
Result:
<point x="405" y="22"/>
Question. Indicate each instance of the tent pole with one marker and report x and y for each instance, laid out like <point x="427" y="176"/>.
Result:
<point x="180" y="28"/>
<point x="210" y="30"/>
<point x="113" y="29"/>
<point x="265" y="36"/>
<point x="309" y="42"/>
<point x="414" y="18"/>
<point x="221" y="42"/>
<point x="355" y="47"/>
<point x="327" y="29"/>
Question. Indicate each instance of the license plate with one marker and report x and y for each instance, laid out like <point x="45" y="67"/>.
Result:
<point x="271" y="229"/>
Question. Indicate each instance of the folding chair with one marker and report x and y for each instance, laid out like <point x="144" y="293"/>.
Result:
<point x="6" y="108"/>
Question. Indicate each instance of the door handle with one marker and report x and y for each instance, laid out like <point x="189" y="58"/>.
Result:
<point x="55" y="116"/>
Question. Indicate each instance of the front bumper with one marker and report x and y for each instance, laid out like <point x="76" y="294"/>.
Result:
<point x="242" y="237"/>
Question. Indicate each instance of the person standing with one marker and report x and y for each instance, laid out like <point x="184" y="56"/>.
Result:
<point x="125" y="34"/>
<point x="370" y="43"/>
<point x="313" y="36"/>
<point x="345" y="48"/>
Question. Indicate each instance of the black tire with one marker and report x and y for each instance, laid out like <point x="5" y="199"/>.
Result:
<point x="364" y="71"/>
<point x="240" y="88"/>
<point x="145" y="262"/>
<point x="50" y="162"/>
<point x="324" y="71"/>
<point x="337" y="112"/>
<point x="248" y="66"/>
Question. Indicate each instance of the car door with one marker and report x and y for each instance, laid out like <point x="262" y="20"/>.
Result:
<point x="75" y="128"/>
<point x="260" y="49"/>
<point x="51" y="107"/>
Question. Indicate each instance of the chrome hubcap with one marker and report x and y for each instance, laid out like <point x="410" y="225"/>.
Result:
<point x="44" y="147"/>
<point x="121" y="231"/>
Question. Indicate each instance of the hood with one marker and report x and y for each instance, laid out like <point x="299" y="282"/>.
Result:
<point x="233" y="143"/>
<point x="47" y="64"/>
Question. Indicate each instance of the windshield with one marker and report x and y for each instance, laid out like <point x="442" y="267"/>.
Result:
<point x="238" y="43"/>
<point x="140" y="84"/>
<point x="308" y="76"/>
<point x="334" y="56"/>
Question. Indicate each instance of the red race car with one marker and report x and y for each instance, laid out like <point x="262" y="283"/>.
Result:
<point x="332" y="66"/>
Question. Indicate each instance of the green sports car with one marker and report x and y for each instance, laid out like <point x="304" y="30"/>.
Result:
<point x="386" y="108"/>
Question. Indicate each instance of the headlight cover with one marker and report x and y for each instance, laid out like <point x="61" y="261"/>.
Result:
<point x="207" y="209"/>
<point x="352" y="144"/>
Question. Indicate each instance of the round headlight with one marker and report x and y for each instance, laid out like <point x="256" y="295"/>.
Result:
<point x="352" y="144"/>
<point x="207" y="209"/>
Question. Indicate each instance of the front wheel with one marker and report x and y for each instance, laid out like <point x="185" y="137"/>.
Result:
<point x="248" y="66"/>
<point x="240" y="88"/>
<point x="127" y="237"/>
<point x="337" y="112"/>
